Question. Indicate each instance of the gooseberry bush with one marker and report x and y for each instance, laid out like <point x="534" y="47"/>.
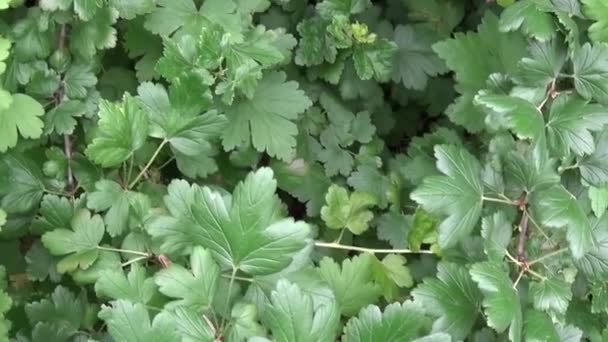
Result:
<point x="294" y="170"/>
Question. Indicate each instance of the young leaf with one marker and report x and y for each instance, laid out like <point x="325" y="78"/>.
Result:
<point x="80" y="243"/>
<point x="195" y="288"/>
<point x="458" y="194"/>
<point x="123" y="129"/>
<point x="456" y="312"/>
<point x="290" y="315"/>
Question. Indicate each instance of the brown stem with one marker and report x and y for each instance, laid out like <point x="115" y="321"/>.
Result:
<point x="523" y="236"/>
<point x="67" y="140"/>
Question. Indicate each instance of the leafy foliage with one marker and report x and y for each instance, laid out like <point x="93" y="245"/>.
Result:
<point x="293" y="170"/>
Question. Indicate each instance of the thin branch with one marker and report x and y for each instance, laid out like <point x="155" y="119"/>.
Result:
<point x="145" y="169"/>
<point x="127" y="251"/>
<point x="548" y="255"/>
<point x="499" y="200"/>
<point x="134" y="260"/>
<point x="551" y="93"/>
<point x="537" y="275"/>
<point x="249" y="280"/>
<point x="521" y="273"/>
<point x="523" y="236"/>
<point x="370" y="250"/>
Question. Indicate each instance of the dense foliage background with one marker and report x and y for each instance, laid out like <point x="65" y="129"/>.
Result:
<point x="293" y="170"/>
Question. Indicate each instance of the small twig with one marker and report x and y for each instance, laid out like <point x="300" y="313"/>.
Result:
<point x="59" y="94"/>
<point x="537" y="275"/>
<point x="249" y="280"/>
<point x="370" y="250"/>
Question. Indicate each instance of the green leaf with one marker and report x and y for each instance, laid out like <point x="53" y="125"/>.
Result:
<point x="63" y="309"/>
<point x="501" y="301"/>
<point x="134" y="287"/>
<point x="21" y="115"/>
<point x="96" y="34"/>
<point x="496" y="52"/>
<point x="77" y="79"/>
<point x="110" y="195"/>
<point x="556" y="207"/>
<point x="5" y="46"/>
<point x="291" y="316"/>
<point x="398" y="322"/>
<point x="570" y="123"/>
<point x="129" y="9"/>
<point x="544" y="64"/>
<point x="191" y="326"/>
<point x="594" y="264"/>
<point x="394" y="228"/>
<point x="458" y="194"/>
<point x="187" y="132"/>
<point x="424" y="228"/>
<point x="590" y="66"/>
<point x="552" y="295"/>
<point x="594" y="167"/>
<point x="41" y="264"/>
<point x="347" y="211"/>
<point x="415" y="61"/>
<point x="130" y="322"/>
<point x="61" y="119"/>
<point x="599" y="200"/>
<point x="123" y="129"/>
<point x="195" y="288"/>
<point x="80" y="243"/>
<point x="25" y="182"/>
<point x="527" y="16"/>
<point x="496" y="231"/>
<point x="452" y="297"/>
<point x="244" y="317"/>
<point x="268" y="117"/>
<point x="244" y="232"/>
<point x="391" y="274"/>
<point x="520" y="115"/>
<point x="539" y="328"/>
<point x="2" y="218"/>
<point x="374" y="59"/>
<point x="352" y="284"/>
<point x="329" y="8"/>
<point x="596" y="10"/>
